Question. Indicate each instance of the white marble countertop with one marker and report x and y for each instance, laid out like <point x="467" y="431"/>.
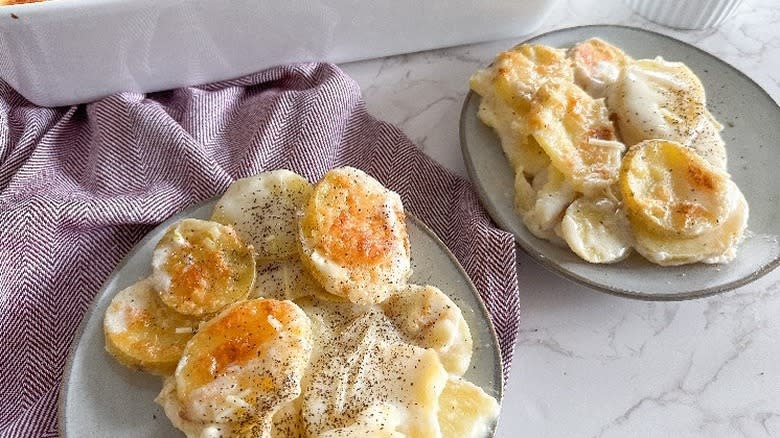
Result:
<point x="589" y="364"/>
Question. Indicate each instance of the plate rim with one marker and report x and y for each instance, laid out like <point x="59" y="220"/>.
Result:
<point x="65" y="387"/>
<point x="558" y="269"/>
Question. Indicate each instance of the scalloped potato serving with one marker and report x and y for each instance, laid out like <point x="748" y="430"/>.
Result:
<point x="289" y="314"/>
<point x="613" y="154"/>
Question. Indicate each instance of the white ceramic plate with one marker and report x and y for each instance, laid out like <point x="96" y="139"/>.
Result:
<point x="752" y="135"/>
<point x="101" y="398"/>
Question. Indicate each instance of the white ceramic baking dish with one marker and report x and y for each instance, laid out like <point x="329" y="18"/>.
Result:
<point x="62" y="52"/>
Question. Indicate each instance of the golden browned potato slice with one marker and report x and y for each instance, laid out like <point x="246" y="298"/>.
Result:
<point x="142" y="332"/>
<point x="263" y="210"/>
<point x="682" y="209"/>
<point x="597" y="65"/>
<point x="199" y="267"/>
<point x="516" y="74"/>
<point x="507" y="87"/>
<point x="670" y="190"/>
<point x="718" y="245"/>
<point x="576" y="133"/>
<point x="465" y="410"/>
<point x="520" y="148"/>
<point x="244" y="364"/>
<point x="428" y="318"/>
<point x="353" y="237"/>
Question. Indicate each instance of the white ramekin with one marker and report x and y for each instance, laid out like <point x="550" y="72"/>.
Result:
<point x="685" y="14"/>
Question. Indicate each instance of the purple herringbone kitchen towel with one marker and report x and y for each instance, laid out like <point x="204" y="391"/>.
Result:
<point x="80" y="186"/>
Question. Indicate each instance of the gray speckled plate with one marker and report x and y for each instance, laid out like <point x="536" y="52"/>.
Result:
<point x="101" y="398"/>
<point x="752" y="136"/>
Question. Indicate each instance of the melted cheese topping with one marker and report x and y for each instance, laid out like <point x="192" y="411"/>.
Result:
<point x="575" y="132"/>
<point x="367" y="365"/>
<point x="379" y="420"/>
<point x="353" y="237"/>
<point x="553" y="196"/>
<point x="199" y="267"/>
<point x="284" y="280"/>
<point x="240" y="368"/>
<point x="507" y="88"/>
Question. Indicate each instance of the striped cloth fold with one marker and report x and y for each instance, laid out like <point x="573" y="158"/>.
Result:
<point x="80" y="186"/>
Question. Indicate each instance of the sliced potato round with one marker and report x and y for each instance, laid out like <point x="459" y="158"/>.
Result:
<point x="597" y="65"/>
<point x="520" y="148"/>
<point x="657" y="99"/>
<point x="596" y="230"/>
<point x="142" y="332"/>
<point x="428" y="318"/>
<point x="246" y="427"/>
<point x="245" y="363"/>
<point x="200" y="266"/>
<point x="465" y="410"/>
<point x="353" y="237"/>
<point x="168" y="400"/>
<point x="575" y="132"/>
<point x="718" y="245"/>
<point x="263" y="210"/>
<point x="654" y="98"/>
<point x="507" y="87"/>
<point x="672" y="191"/>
